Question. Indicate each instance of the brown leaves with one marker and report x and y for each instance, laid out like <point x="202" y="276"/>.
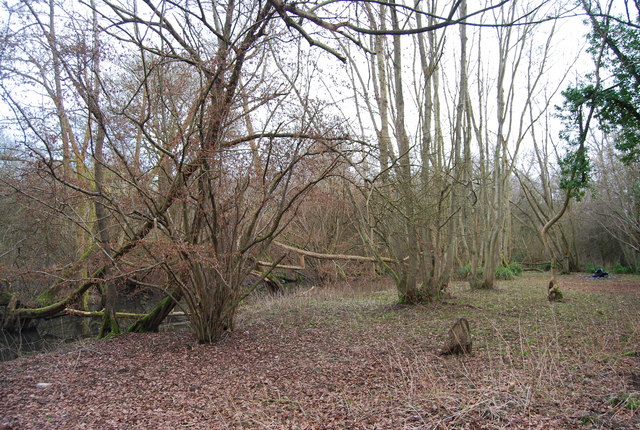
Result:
<point x="323" y="362"/>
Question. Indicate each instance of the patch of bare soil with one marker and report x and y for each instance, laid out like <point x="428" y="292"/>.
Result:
<point x="338" y="365"/>
<point x="615" y="284"/>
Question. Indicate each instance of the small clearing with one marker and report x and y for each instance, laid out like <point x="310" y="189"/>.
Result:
<point x="348" y="357"/>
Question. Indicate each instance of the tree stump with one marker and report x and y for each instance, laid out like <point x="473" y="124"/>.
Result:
<point x="459" y="339"/>
<point x="555" y="295"/>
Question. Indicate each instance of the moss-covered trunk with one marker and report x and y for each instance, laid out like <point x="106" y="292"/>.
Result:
<point x="151" y="321"/>
<point x="110" y="324"/>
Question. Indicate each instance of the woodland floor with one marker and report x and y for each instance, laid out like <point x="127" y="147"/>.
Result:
<point x="348" y="357"/>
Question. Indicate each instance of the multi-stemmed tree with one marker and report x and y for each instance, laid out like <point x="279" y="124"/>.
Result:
<point x="178" y="180"/>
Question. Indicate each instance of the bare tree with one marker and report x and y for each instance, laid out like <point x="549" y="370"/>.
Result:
<point x="209" y="195"/>
<point x="408" y="198"/>
<point x="523" y="62"/>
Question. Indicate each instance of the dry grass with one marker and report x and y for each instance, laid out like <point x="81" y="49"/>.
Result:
<point x="542" y="359"/>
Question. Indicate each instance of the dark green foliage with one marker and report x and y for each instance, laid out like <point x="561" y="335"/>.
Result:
<point x="575" y="166"/>
<point x="515" y="268"/>
<point x="622" y="270"/>
<point x="504" y="273"/>
<point x="464" y="272"/>
<point x="614" y="102"/>
<point x="618" y="102"/>
<point x="609" y="97"/>
<point x="508" y="272"/>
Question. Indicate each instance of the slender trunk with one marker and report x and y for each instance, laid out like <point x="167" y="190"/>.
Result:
<point x="408" y="289"/>
<point x="384" y="137"/>
<point x="109" y="322"/>
<point x="497" y="195"/>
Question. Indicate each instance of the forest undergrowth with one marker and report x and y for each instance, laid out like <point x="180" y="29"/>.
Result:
<point x="348" y="356"/>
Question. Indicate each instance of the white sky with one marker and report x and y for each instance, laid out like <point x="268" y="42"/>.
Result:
<point x="330" y="81"/>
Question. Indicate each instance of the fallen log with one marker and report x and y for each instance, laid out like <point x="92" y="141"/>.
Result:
<point x="55" y="309"/>
<point x="333" y="256"/>
<point x="100" y="314"/>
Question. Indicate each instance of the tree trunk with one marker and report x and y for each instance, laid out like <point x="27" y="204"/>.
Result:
<point x="151" y="321"/>
<point x="212" y="306"/>
<point x="408" y="288"/>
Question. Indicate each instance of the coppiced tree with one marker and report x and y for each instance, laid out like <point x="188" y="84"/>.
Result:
<point x="192" y="190"/>
<point x="439" y="199"/>
<point x="410" y="205"/>
<point x="523" y="60"/>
